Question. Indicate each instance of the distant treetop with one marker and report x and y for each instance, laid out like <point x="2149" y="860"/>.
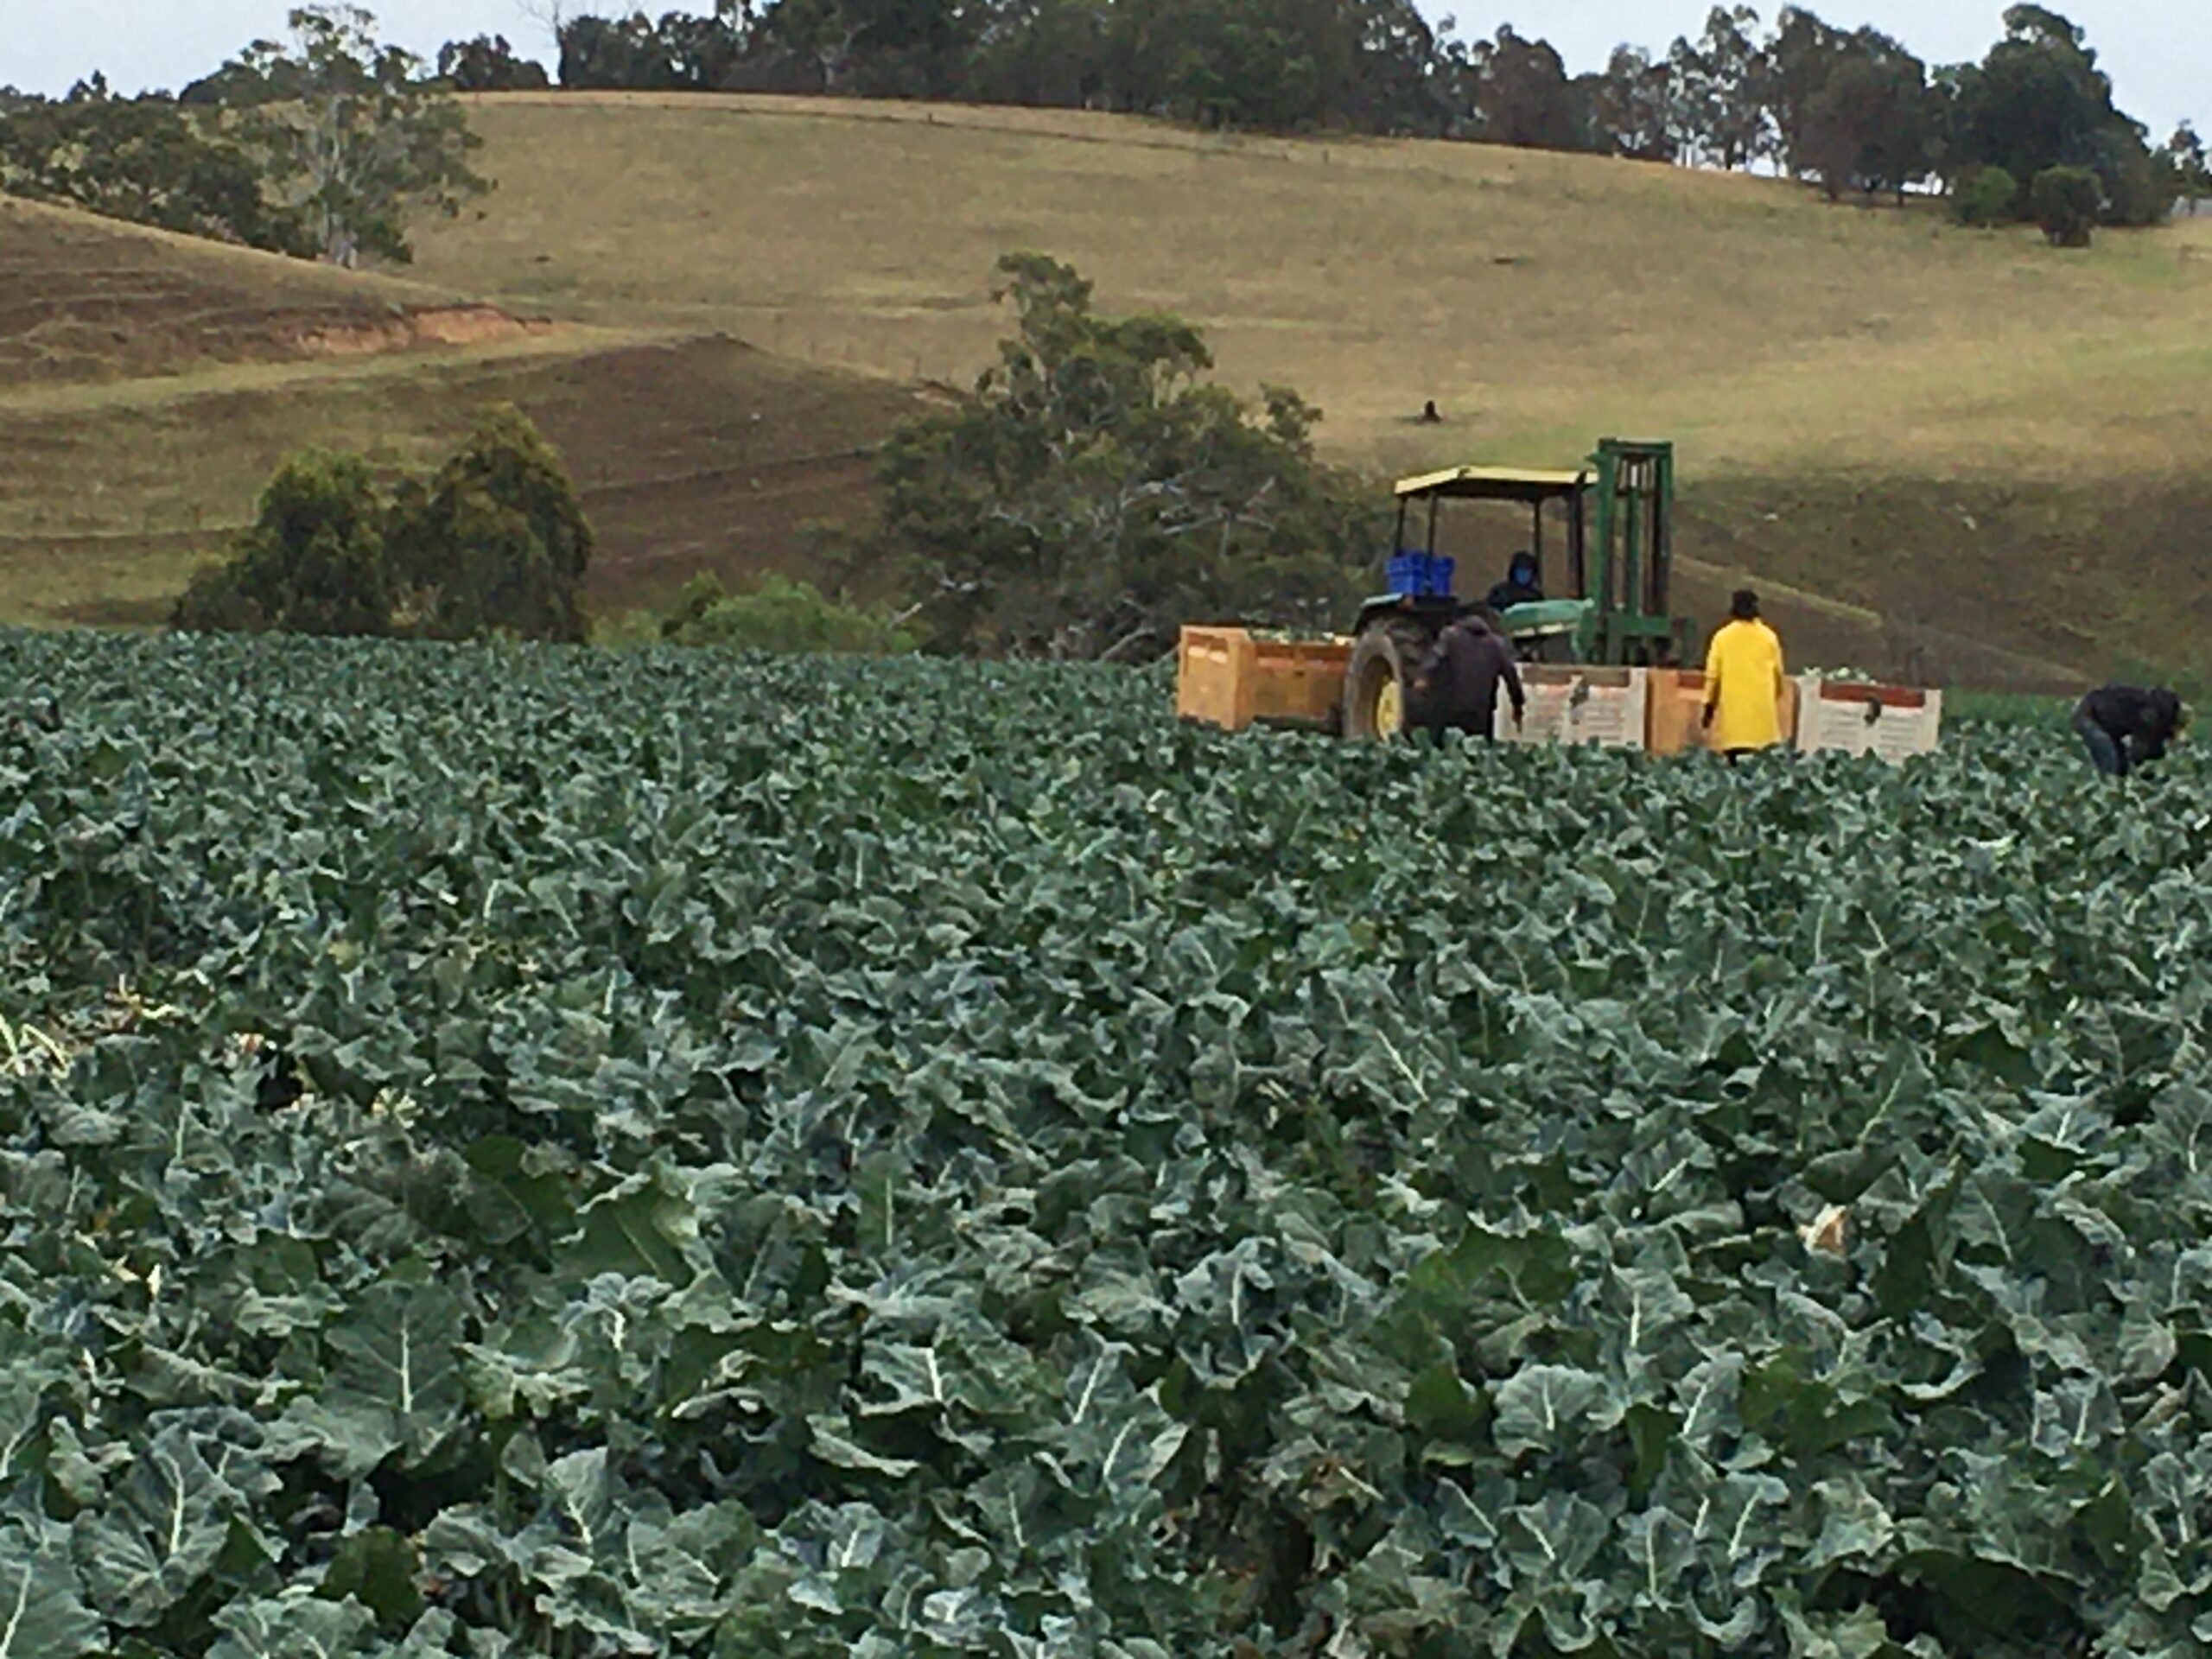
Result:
<point x="326" y="145"/>
<point x="248" y="154"/>
<point x="1854" y="111"/>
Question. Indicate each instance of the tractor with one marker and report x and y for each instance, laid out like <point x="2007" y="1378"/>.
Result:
<point x="1617" y="512"/>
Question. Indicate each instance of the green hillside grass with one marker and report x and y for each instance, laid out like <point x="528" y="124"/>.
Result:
<point x="149" y="384"/>
<point x="88" y="301"/>
<point x="1948" y="454"/>
<point x="1537" y="297"/>
<point x="1964" y="435"/>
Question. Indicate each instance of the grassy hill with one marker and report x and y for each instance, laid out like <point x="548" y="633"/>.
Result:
<point x="149" y="385"/>
<point x="1949" y="452"/>
<point x="1957" y="438"/>
<point x="86" y="300"/>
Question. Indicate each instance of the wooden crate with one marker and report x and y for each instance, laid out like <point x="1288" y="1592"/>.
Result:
<point x="1227" y="677"/>
<point x="1893" y="722"/>
<point x="1569" y="704"/>
<point x="1675" y="722"/>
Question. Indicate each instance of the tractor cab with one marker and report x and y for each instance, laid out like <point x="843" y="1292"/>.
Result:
<point x="1602" y="539"/>
<point x="1421" y="576"/>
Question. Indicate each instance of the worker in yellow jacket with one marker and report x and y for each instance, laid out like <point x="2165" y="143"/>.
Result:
<point x="1743" y="682"/>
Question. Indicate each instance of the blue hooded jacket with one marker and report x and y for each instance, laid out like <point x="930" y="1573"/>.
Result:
<point x="1519" y="587"/>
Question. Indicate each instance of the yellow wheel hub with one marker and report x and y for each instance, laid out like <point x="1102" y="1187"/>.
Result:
<point x="1389" y="707"/>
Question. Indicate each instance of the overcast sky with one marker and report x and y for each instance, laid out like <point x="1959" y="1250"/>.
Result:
<point x="2158" y="52"/>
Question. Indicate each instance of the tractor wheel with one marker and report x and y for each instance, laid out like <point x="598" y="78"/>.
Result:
<point x="1386" y="693"/>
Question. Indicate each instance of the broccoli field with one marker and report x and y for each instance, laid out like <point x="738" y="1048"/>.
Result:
<point x="512" y="1153"/>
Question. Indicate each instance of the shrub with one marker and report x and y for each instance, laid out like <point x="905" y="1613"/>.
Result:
<point x="312" y="562"/>
<point x="1987" y="197"/>
<point x="780" y="614"/>
<point x="495" y="542"/>
<point x="2137" y="188"/>
<point x="2066" y="201"/>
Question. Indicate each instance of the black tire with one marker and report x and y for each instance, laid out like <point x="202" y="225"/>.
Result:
<point x="1391" y="652"/>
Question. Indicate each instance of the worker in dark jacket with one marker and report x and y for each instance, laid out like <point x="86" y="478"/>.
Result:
<point x="1471" y="659"/>
<point x="1521" y="586"/>
<point x="2123" y="726"/>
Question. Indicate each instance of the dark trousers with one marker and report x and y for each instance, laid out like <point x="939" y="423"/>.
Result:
<point x="2107" y="753"/>
<point x="1482" y="724"/>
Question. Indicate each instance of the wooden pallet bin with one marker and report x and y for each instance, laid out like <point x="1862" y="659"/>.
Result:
<point x="1231" y="678"/>
<point x="1676" y="711"/>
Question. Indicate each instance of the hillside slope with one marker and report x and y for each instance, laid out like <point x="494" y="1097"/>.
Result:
<point x="88" y="300"/>
<point x="149" y="385"/>
<point x="1953" y="435"/>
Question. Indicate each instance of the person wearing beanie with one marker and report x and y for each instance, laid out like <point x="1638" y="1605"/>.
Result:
<point x="1743" y="682"/>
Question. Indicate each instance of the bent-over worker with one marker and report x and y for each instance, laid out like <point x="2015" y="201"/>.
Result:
<point x="1521" y="586"/>
<point x="2123" y="726"/>
<point x="1743" y="682"/>
<point x="1471" y="659"/>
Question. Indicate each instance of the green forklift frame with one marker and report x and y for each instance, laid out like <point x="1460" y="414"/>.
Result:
<point x="1634" y="566"/>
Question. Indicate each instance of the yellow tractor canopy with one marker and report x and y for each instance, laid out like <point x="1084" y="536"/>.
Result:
<point x="1528" y="484"/>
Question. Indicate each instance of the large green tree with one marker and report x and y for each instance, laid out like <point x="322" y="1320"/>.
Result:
<point x="1872" y="124"/>
<point x="1633" y="109"/>
<point x="2192" y="172"/>
<point x="1522" y="96"/>
<point x="1398" y="82"/>
<point x="1803" y="53"/>
<point x="2038" y="101"/>
<point x="1726" y="88"/>
<point x="916" y="48"/>
<point x="313" y="561"/>
<point x="149" y="159"/>
<point x="489" y="64"/>
<point x="607" y="52"/>
<point x="495" y="541"/>
<point x="360" y="135"/>
<point x="1097" y="492"/>
<point x="1246" y="69"/>
<point x="1041" y="52"/>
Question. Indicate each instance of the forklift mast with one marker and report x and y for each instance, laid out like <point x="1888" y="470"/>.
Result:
<point x="1631" y="553"/>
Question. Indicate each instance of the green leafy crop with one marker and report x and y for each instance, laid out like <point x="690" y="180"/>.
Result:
<point x="518" y="1152"/>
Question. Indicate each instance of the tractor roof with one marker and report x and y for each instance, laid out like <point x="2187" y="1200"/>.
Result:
<point x="1495" y="484"/>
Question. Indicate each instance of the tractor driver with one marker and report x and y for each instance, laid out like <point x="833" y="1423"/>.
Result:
<point x="1520" y="587"/>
